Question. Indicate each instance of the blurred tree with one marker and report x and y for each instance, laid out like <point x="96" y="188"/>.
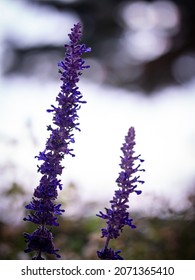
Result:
<point x="113" y="32"/>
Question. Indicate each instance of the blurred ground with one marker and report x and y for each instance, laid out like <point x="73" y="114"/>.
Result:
<point x="158" y="237"/>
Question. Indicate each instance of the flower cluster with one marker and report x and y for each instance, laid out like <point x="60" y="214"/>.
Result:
<point x="117" y="216"/>
<point x="44" y="211"/>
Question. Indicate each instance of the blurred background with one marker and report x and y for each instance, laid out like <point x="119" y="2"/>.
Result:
<point x="143" y="75"/>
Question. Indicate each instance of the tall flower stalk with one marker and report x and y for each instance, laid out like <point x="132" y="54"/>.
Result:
<point x="44" y="210"/>
<point x="117" y="215"/>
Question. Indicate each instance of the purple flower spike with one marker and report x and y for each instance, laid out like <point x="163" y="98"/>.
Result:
<point x="117" y="215"/>
<point x="44" y="211"/>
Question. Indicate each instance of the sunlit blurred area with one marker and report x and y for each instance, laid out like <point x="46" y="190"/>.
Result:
<point x="142" y="74"/>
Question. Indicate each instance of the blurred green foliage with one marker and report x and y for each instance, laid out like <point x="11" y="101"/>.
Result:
<point x="168" y="237"/>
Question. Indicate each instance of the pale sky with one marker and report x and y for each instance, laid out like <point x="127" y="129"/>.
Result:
<point x="164" y="135"/>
